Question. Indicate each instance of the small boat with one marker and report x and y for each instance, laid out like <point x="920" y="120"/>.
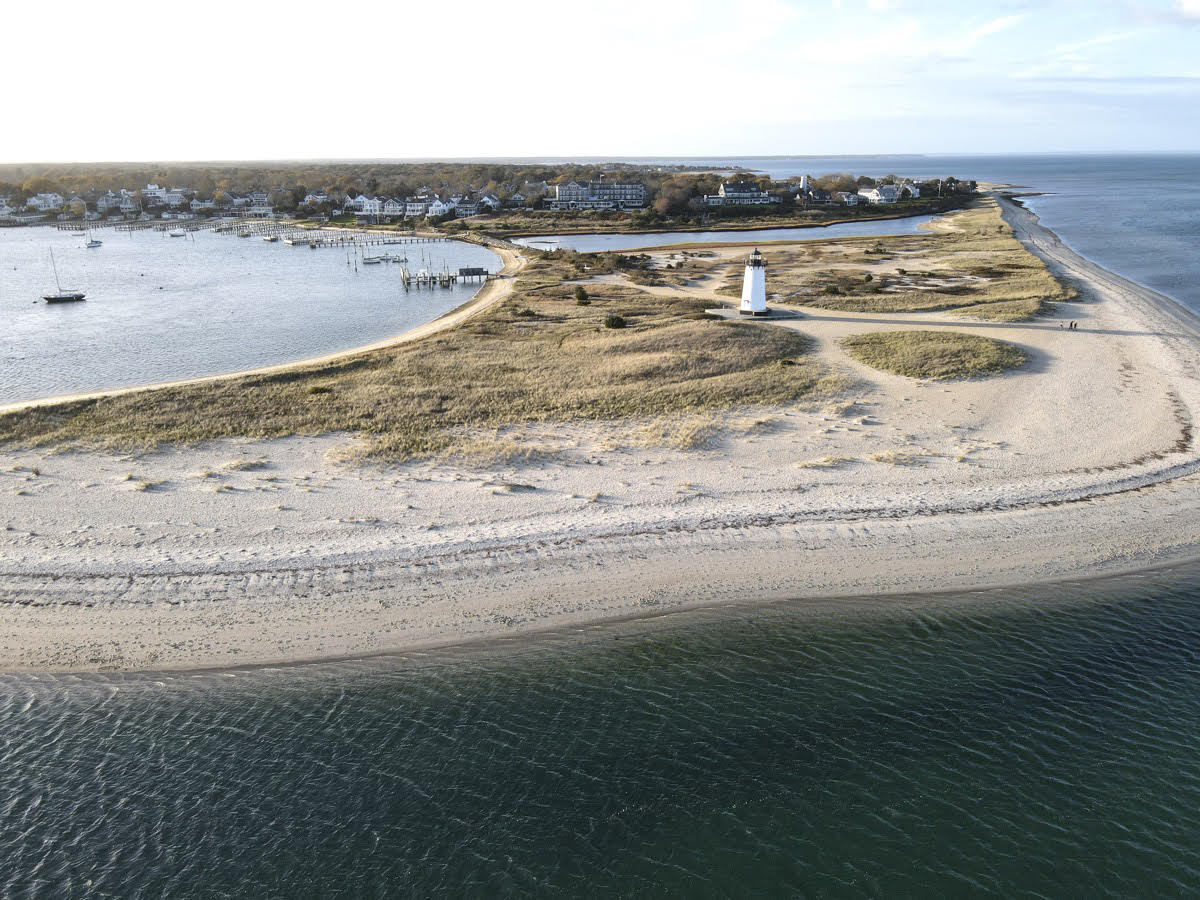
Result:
<point x="270" y="238"/>
<point x="92" y="243"/>
<point x="177" y="232"/>
<point x="61" y="296"/>
<point x="372" y="260"/>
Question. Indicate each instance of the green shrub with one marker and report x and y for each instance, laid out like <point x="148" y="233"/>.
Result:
<point x="614" y="322"/>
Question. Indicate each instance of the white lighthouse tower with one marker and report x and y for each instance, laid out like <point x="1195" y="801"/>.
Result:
<point x="754" y="286"/>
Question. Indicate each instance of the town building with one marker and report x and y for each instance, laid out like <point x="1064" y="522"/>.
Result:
<point x="884" y="193"/>
<point x="45" y="202"/>
<point x="592" y="195"/>
<point x="739" y="193"/>
<point x="153" y="195"/>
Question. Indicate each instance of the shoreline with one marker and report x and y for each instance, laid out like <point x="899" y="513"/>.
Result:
<point x="490" y="293"/>
<point x="520" y="550"/>
<point x="508" y="235"/>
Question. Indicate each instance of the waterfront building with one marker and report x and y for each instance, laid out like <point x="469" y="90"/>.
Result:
<point x="884" y="193"/>
<point x="596" y="195"/>
<point x="416" y="207"/>
<point x="739" y="193"/>
<point x="45" y="202"/>
<point x="754" y="286"/>
<point x="465" y="208"/>
<point x="846" y="198"/>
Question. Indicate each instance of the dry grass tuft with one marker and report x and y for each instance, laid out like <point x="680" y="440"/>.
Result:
<point x="825" y="462"/>
<point x="934" y="354"/>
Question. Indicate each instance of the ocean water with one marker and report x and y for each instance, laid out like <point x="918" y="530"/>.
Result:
<point x="1032" y="742"/>
<point x="594" y="243"/>
<point x="162" y="308"/>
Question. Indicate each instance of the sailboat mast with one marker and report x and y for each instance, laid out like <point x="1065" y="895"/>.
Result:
<point x="54" y="266"/>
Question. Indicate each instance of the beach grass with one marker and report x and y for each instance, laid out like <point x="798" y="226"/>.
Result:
<point x="537" y="356"/>
<point x="934" y="354"/>
<point x="972" y="266"/>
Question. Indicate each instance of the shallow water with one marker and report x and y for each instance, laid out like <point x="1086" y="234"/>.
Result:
<point x="1038" y="741"/>
<point x="593" y="243"/>
<point x="162" y="308"/>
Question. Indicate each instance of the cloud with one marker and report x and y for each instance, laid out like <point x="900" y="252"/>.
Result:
<point x="1188" y="9"/>
<point x="994" y="26"/>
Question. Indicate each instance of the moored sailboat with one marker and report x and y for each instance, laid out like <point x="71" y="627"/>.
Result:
<point x="60" y="295"/>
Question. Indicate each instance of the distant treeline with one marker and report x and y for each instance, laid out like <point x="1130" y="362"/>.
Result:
<point x="672" y="191"/>
<point x="389" y="179"/>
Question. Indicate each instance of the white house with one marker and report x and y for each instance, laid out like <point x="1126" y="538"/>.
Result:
<point x="173" y="197"/>
<point x="438" y="207"/>
<point x="465" y="208"/>
<point x="314" y="199"/>
<point x="197" y="204"/>
<point x="739" y="194"/>
<point x="416" y="207"/>
<point x="129" y="203"/>
<point x="107" y="201"/>
<point x="369" y="206"/>
<point x="846" y="198"/>
<point x="45" y="202"/>
<point x="393" y="207"/>
<point x="885" y="193"/>
<point x="153" y="195"/>
<point x="907" y="187"/>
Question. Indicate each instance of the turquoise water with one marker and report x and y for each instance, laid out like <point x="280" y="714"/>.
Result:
<point x="1034" y="742"/>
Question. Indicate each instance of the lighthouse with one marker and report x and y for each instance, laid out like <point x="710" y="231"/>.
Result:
<point x="754" y="286"/>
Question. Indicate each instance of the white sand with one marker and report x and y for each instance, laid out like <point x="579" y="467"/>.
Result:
<point x="1083" y="463"/>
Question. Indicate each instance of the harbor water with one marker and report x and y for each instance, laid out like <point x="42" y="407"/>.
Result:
<point x="160" y="308"/>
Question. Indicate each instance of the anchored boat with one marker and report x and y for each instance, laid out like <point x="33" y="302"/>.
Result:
<point x="60" y="295"/>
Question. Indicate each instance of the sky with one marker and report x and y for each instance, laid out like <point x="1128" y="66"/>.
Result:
<point x="219" y="80"/>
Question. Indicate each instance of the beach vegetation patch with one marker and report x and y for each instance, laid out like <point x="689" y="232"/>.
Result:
<point x="934" y="354"/>
<point x="971" y="265"/>
<point x="494" y="370"/>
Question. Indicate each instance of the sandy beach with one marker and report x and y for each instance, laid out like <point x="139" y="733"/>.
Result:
<point x="237" y="552"/>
